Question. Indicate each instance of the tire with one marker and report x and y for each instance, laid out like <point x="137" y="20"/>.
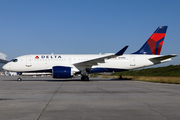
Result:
<point x="19" y="79"/>
<point x="85" y="78"/>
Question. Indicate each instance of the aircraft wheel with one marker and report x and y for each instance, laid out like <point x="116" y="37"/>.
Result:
<point x="19" y="79"/>
<point x="85" y="78"/>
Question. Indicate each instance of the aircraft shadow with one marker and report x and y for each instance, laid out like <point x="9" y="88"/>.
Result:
<point x="68" y="80"/>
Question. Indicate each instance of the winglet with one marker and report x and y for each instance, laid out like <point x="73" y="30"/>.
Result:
<point x="121" y="52"/>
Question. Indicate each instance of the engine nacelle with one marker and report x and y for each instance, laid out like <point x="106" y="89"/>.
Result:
<point x="61" y="72"/>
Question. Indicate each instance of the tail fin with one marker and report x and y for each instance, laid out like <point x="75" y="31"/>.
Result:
<point x="154" y="44"/>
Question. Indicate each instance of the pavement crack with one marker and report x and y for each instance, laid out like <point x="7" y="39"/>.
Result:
<point x="150" y="108"/>
<point x="49" y="102"/>
<point x="102" y="89"/>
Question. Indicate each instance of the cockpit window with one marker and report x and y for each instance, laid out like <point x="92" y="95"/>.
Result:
<point x="14" y="60"/>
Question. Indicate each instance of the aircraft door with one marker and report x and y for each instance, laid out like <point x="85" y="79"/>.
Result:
<point x="28" y="61"/>
<point x="132" y="61"/>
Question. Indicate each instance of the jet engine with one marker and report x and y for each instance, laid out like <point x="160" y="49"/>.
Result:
<point x="61" y="72"/>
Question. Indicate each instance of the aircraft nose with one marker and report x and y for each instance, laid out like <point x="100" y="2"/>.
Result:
<point x="6" y="67"/>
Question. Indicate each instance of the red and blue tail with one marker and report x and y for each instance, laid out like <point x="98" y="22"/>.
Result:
<point x="154" y="44"/>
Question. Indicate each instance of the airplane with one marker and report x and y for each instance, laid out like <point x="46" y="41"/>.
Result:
<point x="67" y="66"/>
<point x="3" y="60"/>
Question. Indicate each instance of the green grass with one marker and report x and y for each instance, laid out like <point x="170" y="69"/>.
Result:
<point x="169" y="74"/>
<point x="168" y="71"/>
<point x="170" y="80"/>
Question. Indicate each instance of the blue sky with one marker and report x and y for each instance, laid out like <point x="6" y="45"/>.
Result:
<point x="86" y="26"/>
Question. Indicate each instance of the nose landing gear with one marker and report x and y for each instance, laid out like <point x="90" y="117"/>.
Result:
<point x="19" y="79"/>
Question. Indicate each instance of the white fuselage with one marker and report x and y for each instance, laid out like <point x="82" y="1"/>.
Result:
<point x="39" y="63"/>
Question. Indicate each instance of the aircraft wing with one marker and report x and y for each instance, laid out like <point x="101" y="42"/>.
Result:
<point x="163" y="57"/>
<point x="95" y="61"/>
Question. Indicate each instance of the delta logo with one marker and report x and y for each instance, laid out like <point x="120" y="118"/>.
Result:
<point x="37" y="57"/>
<point x="48" y="56"/>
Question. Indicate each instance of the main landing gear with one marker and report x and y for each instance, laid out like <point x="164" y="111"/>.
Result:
<point x="85" y="78"/>
<point x="84" y="75"/>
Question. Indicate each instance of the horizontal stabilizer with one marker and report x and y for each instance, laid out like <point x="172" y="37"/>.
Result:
<point x="163" y="57"/>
